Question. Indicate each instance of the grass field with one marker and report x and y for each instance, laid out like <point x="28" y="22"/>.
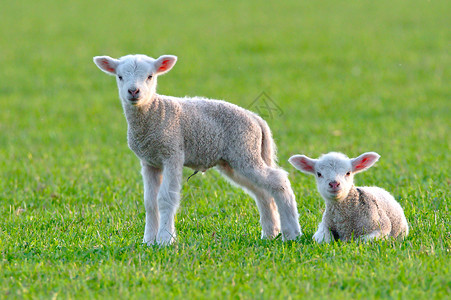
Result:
<point x="350" y="76"/>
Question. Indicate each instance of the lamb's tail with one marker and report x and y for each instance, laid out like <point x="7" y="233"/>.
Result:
<point x="269" y="150"/>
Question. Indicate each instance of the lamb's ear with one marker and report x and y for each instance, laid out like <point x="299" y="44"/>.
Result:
<point x="106" y="64"/>
<point x="303" y="163"/>
<point x="364" y="161"/>
<point x="164" y="63"/>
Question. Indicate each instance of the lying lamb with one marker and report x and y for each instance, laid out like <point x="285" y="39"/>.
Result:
<point x="168" y="133"/>
<point x="359" y="212"/>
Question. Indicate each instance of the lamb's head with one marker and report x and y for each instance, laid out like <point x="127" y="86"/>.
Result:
<point x="334" y="171"/>
<point x="136" y="75"/>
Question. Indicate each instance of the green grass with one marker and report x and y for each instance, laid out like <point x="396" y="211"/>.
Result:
<point x="349" y="76"/>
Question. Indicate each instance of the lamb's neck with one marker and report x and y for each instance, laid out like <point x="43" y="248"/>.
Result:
<point x="353" y="195"/>
<point x="144" y="114"/>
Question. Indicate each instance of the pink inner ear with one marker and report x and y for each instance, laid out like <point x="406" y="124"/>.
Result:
<point x="306" y="166"/>
<point x="164" y="65"/>
<point x="362" y="164"/>
<point x="107" y="66"/>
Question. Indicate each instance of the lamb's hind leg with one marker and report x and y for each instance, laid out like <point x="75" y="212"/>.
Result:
<point x="275" y="182"/>
<point x="381" y="229"/>
<point x="168" y="202"/>
<point x="152" y="181"/>
<point x="269" y="216"/>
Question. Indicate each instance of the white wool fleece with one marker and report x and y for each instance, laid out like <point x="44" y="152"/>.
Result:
<point x="359" y="212"/>
<point x="168" y="133"/>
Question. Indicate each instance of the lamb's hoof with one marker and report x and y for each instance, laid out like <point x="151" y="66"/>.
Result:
<point x="270" y="235"/>
<point x="291" y="236"/>
<point x="165" y="239"/>
<point x="322" y="236"/>
<point x="149" y="241"/>
<point x="165" y="243"/>
<point x="319" y="238"/>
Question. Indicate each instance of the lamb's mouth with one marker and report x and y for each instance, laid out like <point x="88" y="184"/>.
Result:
<point x="133" y="100"/>
<point x="334" y="192"/>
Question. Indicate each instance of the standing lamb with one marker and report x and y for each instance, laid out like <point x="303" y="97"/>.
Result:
<point x="167" y="133"/>
<point x="359" y="212"/>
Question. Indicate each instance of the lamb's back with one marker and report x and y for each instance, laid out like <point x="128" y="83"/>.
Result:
<point x="215" y="130"/>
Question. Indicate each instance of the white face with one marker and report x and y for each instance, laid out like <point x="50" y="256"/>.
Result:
<point x="136" y="80"/>
<point x="136" y="75"/>
<point x="334" y="178"/>
<point x="334" y="171"/>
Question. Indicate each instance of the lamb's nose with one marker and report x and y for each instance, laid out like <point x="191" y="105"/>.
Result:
<point x="133" y="92"/>
<point x="334" y="184"/>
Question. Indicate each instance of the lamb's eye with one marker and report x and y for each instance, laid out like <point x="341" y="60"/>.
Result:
<point x="149" y="77"/>
<point x="319" y="174"/>
<point x="349" y="173"/>
<point x="120" y="77"/>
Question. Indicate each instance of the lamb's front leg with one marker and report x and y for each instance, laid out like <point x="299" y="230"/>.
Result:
<point x="168" y="202"/>
<point x="323" y="233"/>
<point x="152" y="181"/>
